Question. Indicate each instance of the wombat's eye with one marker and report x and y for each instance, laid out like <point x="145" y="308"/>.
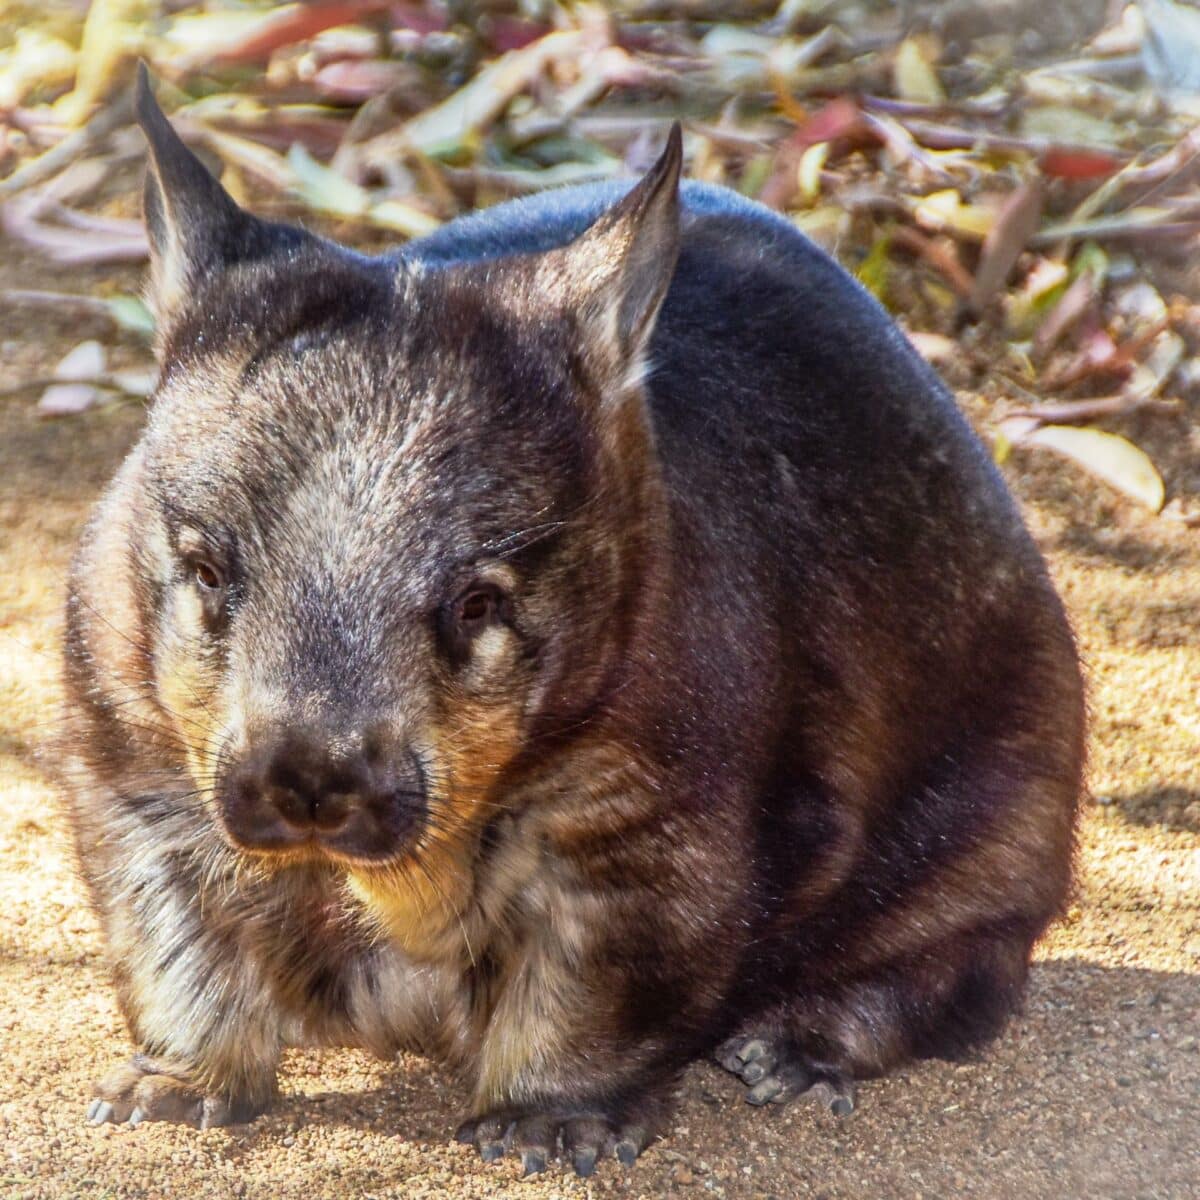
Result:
<point x="477" y="607"/>
<point x="207" y="576"/>
<point x="473" y="611"/>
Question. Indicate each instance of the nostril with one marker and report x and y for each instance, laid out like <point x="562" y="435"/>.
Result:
<point x="332" y="810"/>
<point x="291" y="806"/>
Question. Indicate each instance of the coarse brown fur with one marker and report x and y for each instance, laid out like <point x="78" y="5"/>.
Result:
<point x="531" y="652"/>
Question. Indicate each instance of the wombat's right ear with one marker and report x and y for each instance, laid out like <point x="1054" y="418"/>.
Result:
<point x="615" y="276"/>
<point x="193" y="225"/>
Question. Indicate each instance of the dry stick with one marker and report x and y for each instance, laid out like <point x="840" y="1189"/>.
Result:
<point x="1070" y="411"/>
<point x="115" y="114"/>
<point x="948" y="137"/>
<point x="1124" y="355"/>
<point x="904" y="147"/>
<point x="955" y="274"/>
<point x="90" y="306"/>
<point x="1156" y="225"/>
<point x="107" y="381"/>
<point x="916" y="108"/>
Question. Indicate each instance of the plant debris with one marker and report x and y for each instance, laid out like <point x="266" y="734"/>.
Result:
<point x="971" y="168"/>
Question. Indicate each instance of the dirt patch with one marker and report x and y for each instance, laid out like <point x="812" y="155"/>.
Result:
<point x="1095" y="1091"/>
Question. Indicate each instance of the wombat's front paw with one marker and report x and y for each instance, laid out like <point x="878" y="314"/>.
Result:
<point x="581" y="1137"/>
<point x="149" y="1089"/>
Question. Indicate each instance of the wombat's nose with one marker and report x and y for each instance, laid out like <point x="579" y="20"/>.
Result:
<point x="319" y="795"/>
<point x="299" y="788"/>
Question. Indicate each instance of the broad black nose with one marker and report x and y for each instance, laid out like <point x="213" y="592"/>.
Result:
<point x="357" y="797"/>
<point x="311" y="790"/>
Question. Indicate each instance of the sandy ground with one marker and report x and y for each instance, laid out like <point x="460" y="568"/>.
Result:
<point x="1095" y="1091"/>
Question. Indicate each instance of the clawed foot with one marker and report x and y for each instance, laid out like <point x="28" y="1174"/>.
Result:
<point x="578" y="1138"/>
<point x="147" y="1089"/>
<point x="776" y="1072"/>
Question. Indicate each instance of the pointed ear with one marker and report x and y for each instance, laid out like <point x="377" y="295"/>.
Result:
<point x="194" y="227"/>
<point x="617" y="273"/>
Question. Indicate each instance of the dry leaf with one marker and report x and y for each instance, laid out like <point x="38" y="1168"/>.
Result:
<point x="808" y="174"/>
<point x="325" y="190"/>
<point x="1016" y="224"/>
<point x="76" y="392"/>
<point x="255" y="36"/>
<point x="1171" y="45"/>
<point x="36" y="60"/>
<point x="1108" y="457"/>
<point x="112" y="39"/>
<point x="478" y="103"/>
<point x="945" y="210"/>
<point x="915" y="77"/>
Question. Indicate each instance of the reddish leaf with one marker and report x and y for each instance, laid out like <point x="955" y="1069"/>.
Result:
<point x="420" y="18"/>
<point x="1064" y="163"/>
<point x="283" y="26"/>
<point x="511" y="33"/>
<point x="839" y="118"/>
<point x="353" y="81"/>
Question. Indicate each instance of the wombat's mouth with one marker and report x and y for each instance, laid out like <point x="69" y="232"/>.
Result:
<point x="356" y="836"/>
<point x="290" y="799"/>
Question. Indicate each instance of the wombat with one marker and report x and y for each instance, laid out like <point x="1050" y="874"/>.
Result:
<point x="582" y="641"/>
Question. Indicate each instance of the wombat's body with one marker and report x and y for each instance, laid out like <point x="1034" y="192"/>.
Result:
<point x="725" y="710"/>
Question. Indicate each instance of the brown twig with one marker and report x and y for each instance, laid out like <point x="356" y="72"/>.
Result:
<point x="942" y="259"/>
<point x="1123" y="357"/>
<point x="115" y="114"/>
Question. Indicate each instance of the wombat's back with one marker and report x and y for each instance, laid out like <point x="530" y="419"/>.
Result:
<point x="764" y="342"/>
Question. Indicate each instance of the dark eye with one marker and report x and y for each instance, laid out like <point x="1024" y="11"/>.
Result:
<point x="461" y="620"/>
<point x="208" y="577"/>
<point x="477" y="607"/>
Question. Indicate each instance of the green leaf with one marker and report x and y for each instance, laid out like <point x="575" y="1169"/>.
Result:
<point x="131" y="315"/>
<point x="875" y="270"/>
<point x="322" y="188"/>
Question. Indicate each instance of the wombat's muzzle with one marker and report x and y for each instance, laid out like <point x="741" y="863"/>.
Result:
<point x="354" y="798"/>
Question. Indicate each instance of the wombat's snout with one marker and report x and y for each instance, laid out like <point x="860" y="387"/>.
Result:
<point x="296" y="788"/>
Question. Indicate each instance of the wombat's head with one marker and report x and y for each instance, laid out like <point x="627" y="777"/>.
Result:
<point x="391" y="526"/>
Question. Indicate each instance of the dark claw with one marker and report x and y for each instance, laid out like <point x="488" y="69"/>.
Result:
<point x="465" y="1133"/>
<point x="491" y="1151"/>
<point x="532" y="1162"/>
<point x="842" y="1106"/>
<point x="627" y="1153"/>
<point x="584" y="1161"/>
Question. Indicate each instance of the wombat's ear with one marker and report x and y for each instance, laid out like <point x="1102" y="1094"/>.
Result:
<point x="193" y="226"/>
<point x="617" y="273"/>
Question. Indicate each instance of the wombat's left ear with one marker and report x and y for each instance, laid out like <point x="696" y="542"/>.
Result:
<point x="195" y="228"/>
<point x="616" y="274"/>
